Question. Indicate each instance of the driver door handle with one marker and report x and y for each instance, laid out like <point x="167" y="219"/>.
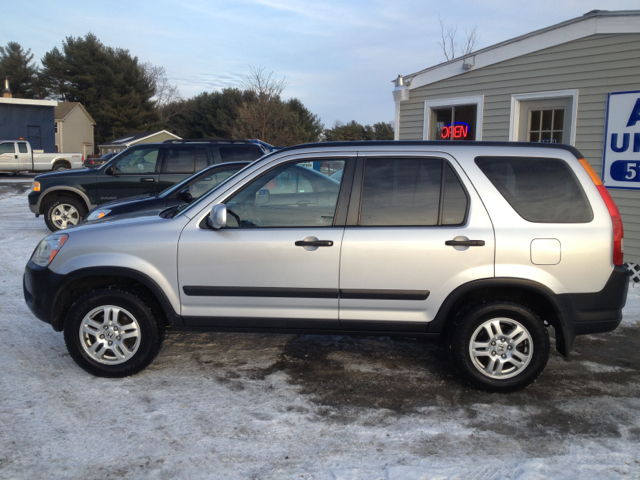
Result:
<point x="147" y="179"/>
<point x="314" y="243"/>
<point x="464" y="243"/>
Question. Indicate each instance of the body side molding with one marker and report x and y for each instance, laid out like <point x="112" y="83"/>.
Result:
<point x="204" y="291"/>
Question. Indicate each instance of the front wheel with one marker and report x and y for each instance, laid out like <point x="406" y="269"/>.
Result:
<point x="112" y="333"/>
<point x="64" y="212"/>
<point x="500" y="346"/>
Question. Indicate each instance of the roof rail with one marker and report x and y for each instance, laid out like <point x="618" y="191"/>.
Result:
<point x="433" y="143"/>
<point x="210" y="140"/>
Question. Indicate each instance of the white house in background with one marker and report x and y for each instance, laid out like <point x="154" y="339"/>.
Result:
<point x="577" y="83"/>
<point x="121" y="143"/>
<point x="73" y="128"/>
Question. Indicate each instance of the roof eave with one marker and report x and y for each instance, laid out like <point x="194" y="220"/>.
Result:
<point x="589" y="24"/>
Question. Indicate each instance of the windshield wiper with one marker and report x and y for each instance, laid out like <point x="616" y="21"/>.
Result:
<point x="173" y="211"/>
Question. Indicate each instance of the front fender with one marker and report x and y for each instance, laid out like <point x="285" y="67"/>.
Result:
<point x="168" y="306"/>
<point x="129" y="266"/>
<point x="76" y="191"/>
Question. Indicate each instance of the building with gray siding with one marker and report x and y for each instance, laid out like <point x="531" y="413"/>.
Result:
<point x="551" y="85"/>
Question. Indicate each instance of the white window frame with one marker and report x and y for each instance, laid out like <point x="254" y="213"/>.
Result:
<point x="477" y="100"/>
<point x="514" y="120"/>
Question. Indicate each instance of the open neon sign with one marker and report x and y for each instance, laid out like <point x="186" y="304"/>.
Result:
<point x="455" y="130"/>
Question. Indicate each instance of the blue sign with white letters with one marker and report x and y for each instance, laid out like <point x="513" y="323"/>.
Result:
<point x="621" y="158"/>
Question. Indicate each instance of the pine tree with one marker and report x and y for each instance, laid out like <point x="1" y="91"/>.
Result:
<point x="110" y="84"/>
<point x="17" y="64"/>
<point x="309" y="125"/>
<point x="353" y="131"/>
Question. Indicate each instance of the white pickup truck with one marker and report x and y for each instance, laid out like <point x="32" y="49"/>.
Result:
<point x="17" y="156"/>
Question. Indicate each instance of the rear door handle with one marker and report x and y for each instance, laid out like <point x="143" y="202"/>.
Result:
<point x="147" y="179"/>
<point x="464" y="243"/>
<point x="314" y="243"/>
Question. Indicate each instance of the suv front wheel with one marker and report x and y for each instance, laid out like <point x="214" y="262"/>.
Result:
<point x="499" y="346"/>
<point x="64" y="212"/>
<point x="112" y="333"/>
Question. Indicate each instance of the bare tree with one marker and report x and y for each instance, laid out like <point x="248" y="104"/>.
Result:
<point x="450" y="45"/>
<point x="264" y="111"/>
<point x="167" y="98"/>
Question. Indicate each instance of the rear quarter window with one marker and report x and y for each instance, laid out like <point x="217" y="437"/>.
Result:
<point x="240" y="153"/>
<point x="540" y="190"/>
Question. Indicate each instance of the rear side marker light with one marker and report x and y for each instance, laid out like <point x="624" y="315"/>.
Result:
<point x="616" y="220"/>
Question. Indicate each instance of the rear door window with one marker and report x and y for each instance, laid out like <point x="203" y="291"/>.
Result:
<point x="411" y="192"/>
<point x="184" y="159"/>
<point x="541" y="190"/>
<point x="22" y="147"/>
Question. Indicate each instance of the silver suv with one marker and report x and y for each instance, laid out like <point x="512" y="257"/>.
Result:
<point x="483" y="244"/>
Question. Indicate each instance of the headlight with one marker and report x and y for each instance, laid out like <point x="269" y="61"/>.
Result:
<point x="36" y="186"/>
<point x="47" y="250"/>
<point x="97" y="214"/>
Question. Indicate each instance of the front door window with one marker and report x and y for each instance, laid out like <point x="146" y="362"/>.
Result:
<point x="292" y="195"/>
<point x="137" y="161"/>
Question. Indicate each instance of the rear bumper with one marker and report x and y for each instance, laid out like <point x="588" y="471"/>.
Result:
<point x="599" y="311"/>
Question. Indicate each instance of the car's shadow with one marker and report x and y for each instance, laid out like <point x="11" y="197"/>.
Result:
<point x="404" y="376"/>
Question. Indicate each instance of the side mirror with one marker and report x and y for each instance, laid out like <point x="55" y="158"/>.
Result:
<point x="110" y="170"/>
<point x="218" y="217"/>
<point x="185" y="195"/>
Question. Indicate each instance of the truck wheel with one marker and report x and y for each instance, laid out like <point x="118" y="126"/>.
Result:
<point x="499" y="346"/>
<point x="61" y="166"/>
<point x="112" y="333"/>
<point x="64" y="212"/>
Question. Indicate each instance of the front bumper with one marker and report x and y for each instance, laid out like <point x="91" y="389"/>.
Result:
<point x="33" y="198"/>
<point x="41" y="287"/>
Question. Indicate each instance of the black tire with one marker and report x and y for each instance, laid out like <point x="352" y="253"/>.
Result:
<point x="509" y="364"/>
<point x="61" y="166"/>
<point x="70" y="206"/>
<point x="141" y="333"/>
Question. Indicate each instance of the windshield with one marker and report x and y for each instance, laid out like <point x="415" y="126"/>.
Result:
<point x="186" y="207"/>
<point x="205" y="180"/>
<point x="110" y="160"/>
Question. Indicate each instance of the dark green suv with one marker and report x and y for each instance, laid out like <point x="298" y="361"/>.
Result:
<point x="64" y="198"/>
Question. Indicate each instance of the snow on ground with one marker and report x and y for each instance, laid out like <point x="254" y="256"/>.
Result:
<point x="220" y="405"/>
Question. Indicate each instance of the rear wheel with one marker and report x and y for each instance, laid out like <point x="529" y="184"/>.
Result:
<point x="64" y="212"/>
<point x="500" y="346"/>
<point x="112" y="333"/>
<point x="61" y="166"/>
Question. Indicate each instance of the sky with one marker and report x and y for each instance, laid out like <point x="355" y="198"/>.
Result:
<point x="338" y="57"/>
